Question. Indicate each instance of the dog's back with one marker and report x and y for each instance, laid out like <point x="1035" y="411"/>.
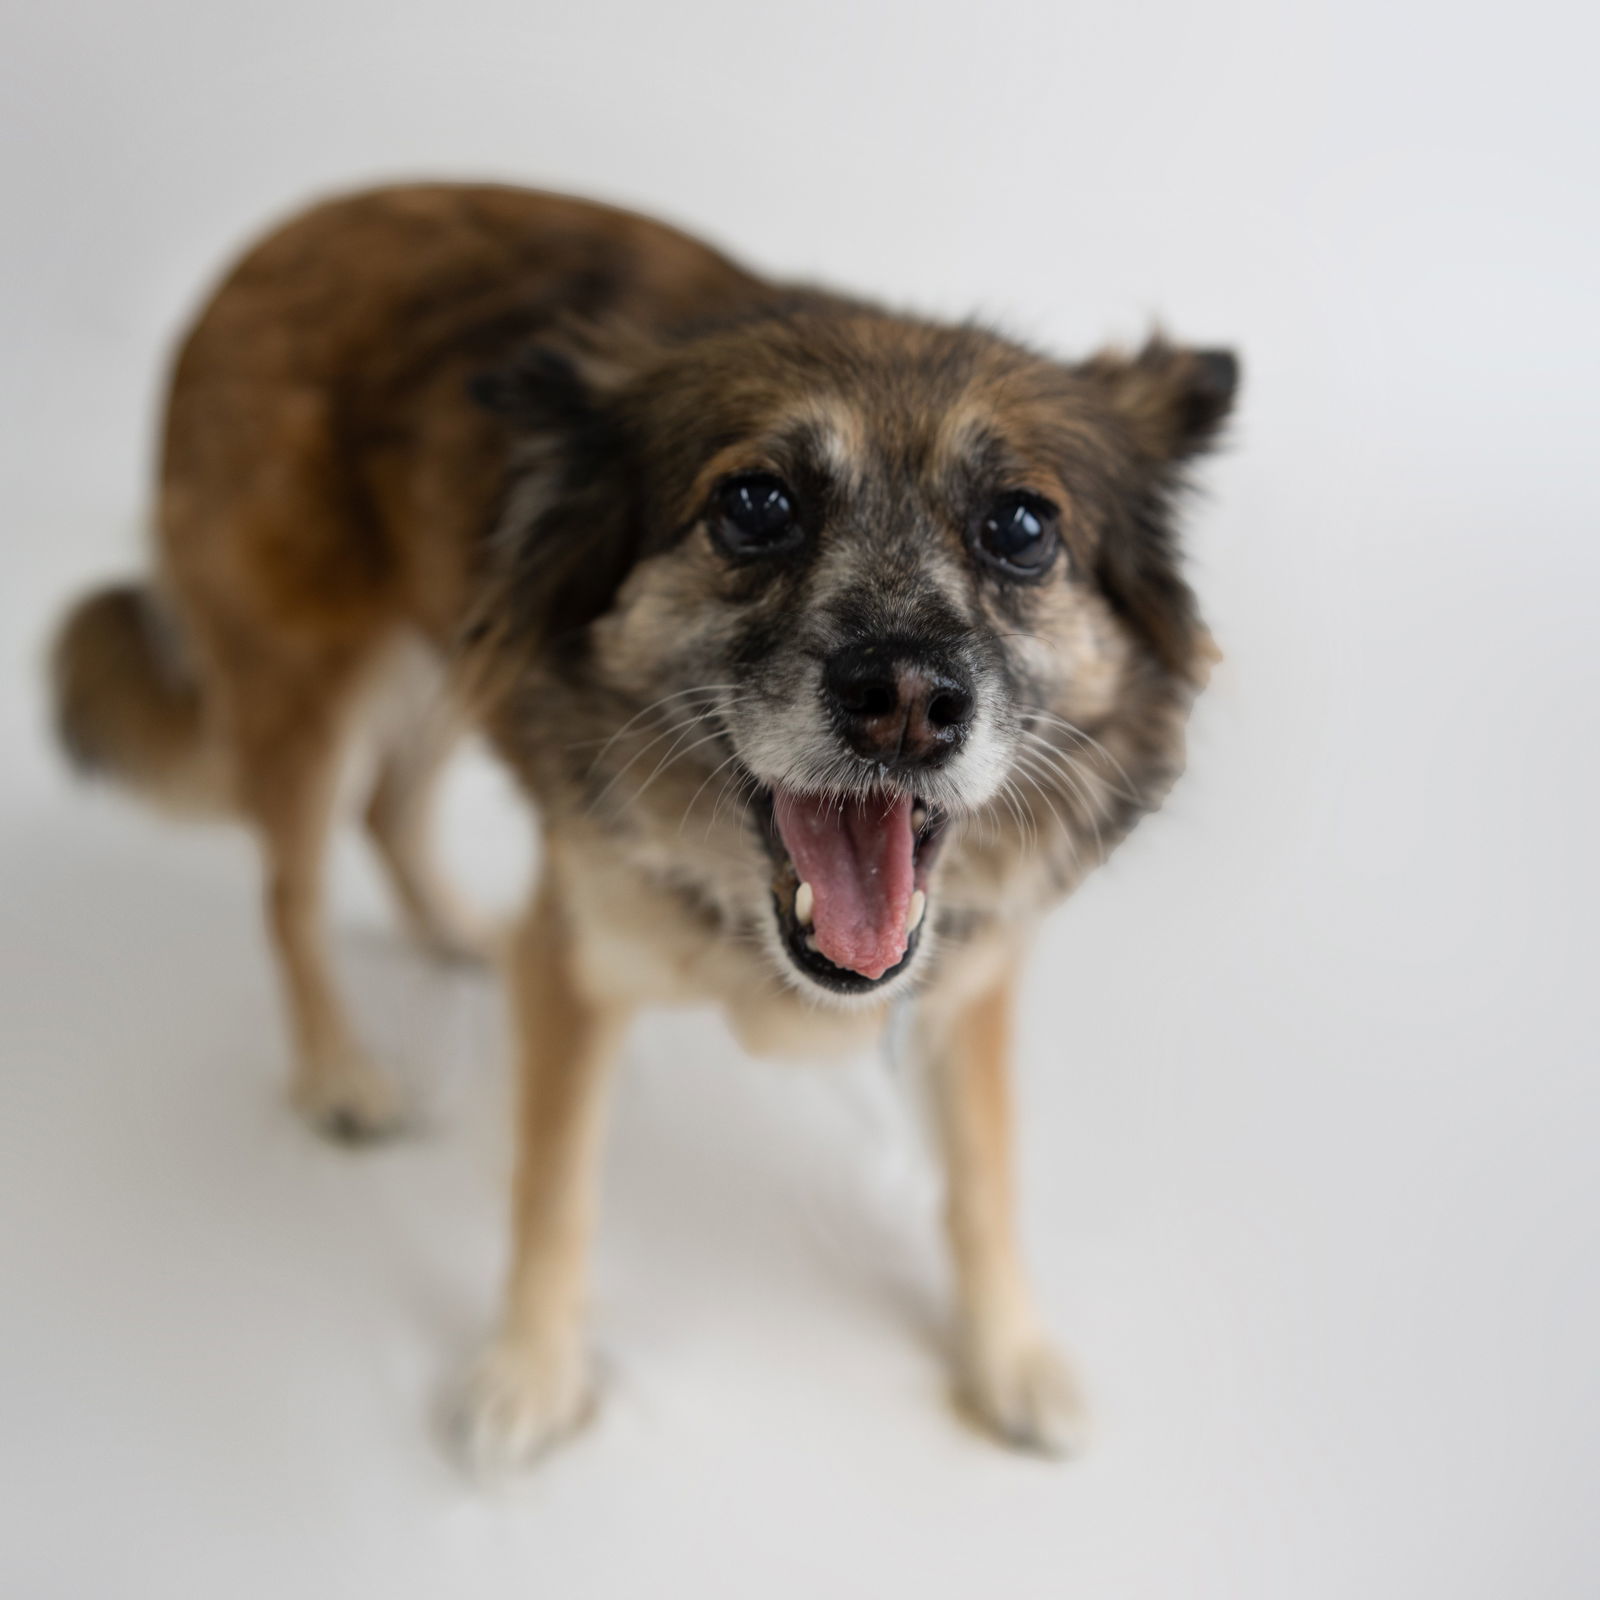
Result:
<point x="324" y="478"/>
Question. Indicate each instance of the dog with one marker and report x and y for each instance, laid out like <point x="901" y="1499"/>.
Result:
<point x="832" y="646"/>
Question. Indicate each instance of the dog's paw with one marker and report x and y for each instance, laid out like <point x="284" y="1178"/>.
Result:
<point x="1025" y="1394"/>
<point x="349" y="1101"/>
<point x="518" y="1403"/>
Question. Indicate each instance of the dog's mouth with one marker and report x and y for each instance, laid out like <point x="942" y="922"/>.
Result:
<point x="850" y="882"/>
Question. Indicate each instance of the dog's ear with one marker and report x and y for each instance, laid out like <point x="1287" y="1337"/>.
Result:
<point x="539" y="387"/>
<point x="562" y="381"/>
<point x="1171" y="403"/>
<point x="571" y="523"/>
<point x="1173" y="400"/>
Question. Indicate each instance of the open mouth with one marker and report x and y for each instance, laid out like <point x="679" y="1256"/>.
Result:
<point x="850" y="882"/>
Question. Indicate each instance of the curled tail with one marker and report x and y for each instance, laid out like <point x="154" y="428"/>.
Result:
<point x="128" y="704"/>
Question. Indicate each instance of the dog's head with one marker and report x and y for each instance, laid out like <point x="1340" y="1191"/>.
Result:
<point x="835" y="589"/>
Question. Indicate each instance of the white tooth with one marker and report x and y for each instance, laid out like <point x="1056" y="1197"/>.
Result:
<point x="804" y="900"/>
<point x="914" y="911"/>
<point x="919" y="816"/>
<point x="811" y="941"/>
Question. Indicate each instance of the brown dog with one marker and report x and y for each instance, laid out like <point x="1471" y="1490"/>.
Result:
<point x="834" y="647"/>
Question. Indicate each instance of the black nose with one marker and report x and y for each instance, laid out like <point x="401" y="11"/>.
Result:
<point x="896" y="707"/>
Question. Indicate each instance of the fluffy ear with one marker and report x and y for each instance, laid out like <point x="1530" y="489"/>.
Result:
<point x="538" y="388"/>
<point x="1174" y="400"/>
<point x="561" y="381"/>
<point x="569" y="531"/>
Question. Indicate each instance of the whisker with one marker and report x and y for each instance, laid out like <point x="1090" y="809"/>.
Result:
<point x="736" y="780"/>
<point x="676" y="731"/>
<point x="1075" y="776"/>
<point x="1032" y="775"/>
<point x="1028" y="812"/>
<point x="720" y="766"/>
<point x="1063" y="765"/>
<point x="1043" y="713"/>
<point x="1090" y="749"/>
<point x="716" y="805"/>
<point x="1063" y="769"/>
<point x="671" y="758"/>
<point x="1007" y="793"/>
<point x="655" y="705"/>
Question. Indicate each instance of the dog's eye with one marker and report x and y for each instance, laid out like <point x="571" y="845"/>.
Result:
<point x="754" y="514"/>
<point x="1018" y="533"/>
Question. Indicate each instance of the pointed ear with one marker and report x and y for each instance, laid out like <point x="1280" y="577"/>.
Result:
<point x="1174" y="400"/>
<point x="561" y="381"/>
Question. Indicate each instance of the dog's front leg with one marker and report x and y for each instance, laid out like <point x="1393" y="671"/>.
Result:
<point x="533" y="1387"/>
<point x="1010" y="1374"/>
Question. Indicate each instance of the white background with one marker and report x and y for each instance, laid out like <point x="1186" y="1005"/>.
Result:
<point x="1307" y="1076"/>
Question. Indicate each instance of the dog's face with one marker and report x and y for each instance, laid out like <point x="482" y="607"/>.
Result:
<point x="866" y="591"/>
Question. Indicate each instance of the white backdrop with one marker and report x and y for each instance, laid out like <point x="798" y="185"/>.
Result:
<point x="1308" y="1075"/>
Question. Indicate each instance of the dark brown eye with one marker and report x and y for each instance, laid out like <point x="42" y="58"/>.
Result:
<point x="1018" y="533"/>
<point x="754" y="514"/>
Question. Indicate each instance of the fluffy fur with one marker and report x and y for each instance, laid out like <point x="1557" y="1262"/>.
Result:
<point x="498" y="422"/>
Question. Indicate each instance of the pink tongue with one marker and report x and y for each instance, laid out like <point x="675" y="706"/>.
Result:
<point x="857" y="859"/>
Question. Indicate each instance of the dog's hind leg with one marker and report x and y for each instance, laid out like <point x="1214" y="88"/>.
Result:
<point x="287" y="734"/>
<point x="399" y="820"/>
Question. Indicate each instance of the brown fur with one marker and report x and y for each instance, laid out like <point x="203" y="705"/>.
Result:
<point x="331" y="497"/>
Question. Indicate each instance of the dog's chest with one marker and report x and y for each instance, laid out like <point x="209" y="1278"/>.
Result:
<point x="641" y="940"/>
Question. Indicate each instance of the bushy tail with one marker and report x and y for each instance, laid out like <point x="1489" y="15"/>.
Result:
<point x="128" y="705"/>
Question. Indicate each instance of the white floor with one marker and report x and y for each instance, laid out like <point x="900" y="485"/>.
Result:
<point x="1310" y="1187"/>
